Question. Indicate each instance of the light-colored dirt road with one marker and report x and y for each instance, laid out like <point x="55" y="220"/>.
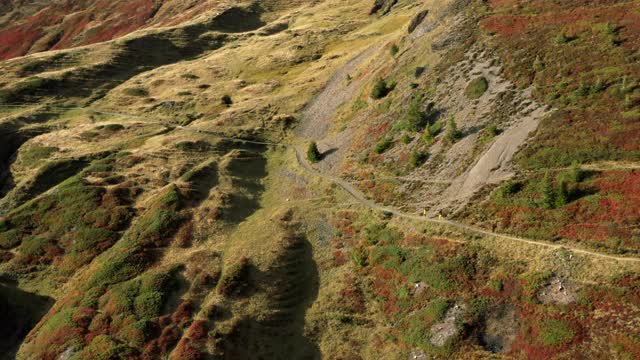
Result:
<point x="359" y="197"/>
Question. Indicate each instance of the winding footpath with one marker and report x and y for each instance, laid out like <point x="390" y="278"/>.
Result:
<point x="362" y="199"/>
<point x="359" y="197"/>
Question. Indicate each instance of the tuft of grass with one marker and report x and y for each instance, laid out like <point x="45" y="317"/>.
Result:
<point x="492" y="131"/>
<point x="495" y="285"/>
<point x="359" y="105"/>
<point x="383" y="145"/>
<point x="190" y="76"/>
<point x="564" y="38"/>
<point x="111" y="127"/>
<point x="477" y="88"/>
<point x="9" y="239"/>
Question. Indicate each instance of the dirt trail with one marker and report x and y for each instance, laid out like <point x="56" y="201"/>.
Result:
<point x="358" y="196"/>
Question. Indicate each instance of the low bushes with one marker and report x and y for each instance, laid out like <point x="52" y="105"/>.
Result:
<point x="383" y="145"/>
<point x="381" y="233"/>
<point x="381" y="89"/>
<point x="193" y="146"/>
<point x="555" y="332"/>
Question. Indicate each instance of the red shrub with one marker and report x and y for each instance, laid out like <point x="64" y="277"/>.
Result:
<point x="198" y="330"/>
<point x="168" y="338"/>
<point x="186" y="351"/>
<point x="183" y="313"/>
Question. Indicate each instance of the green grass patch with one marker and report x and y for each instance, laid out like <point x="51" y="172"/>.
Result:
<point x="381" y="233"/>
<point x="34" y="154"/>
<point x="383" y="145"/>
<point x="476" y="88"/>
<point x="555" y="332"/>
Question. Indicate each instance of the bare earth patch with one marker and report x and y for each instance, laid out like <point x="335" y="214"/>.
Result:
<point x="558" y="291"/>
<point x="448" y="327"/>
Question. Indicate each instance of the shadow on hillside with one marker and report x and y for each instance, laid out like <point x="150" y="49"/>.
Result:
<point x="247" y="172"/>
<point x="291" y="285"/>
<point x="20" y="311"/>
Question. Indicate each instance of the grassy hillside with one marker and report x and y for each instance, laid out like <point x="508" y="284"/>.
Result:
<point x="473" y="192"/>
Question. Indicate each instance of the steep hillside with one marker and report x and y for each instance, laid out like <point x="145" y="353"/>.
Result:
<point x="31" y="27"/>
<point x="367" y="179"/>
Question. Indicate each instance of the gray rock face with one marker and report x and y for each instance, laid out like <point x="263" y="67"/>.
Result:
<point x="448" y="328"/>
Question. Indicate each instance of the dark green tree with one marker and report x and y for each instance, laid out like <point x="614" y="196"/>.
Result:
<point x="226" y="100"/>
<point x="453" y="134"/>
<point x="416" y="159"/>
<point x="380" y="89"/>
<point x="548" y="195"/>
<point x="394" y="50"/>
<point x="313" y="154"/>
<point x="416" y="118"/>
<point x="562" y="195"/>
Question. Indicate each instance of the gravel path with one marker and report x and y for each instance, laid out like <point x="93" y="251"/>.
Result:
<point x="358" y="196"/>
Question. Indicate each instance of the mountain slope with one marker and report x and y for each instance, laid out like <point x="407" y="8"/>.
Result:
<point x="475" y="192"/>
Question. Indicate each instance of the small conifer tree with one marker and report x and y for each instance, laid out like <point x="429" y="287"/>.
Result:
<point x="313" y="154"/>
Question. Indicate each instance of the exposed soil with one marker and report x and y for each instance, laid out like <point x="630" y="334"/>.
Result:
<point x="448" y="328"/>
<point x="558" y="291"/>
<point x="512" y="110"/>
<point x="317" y="115"/>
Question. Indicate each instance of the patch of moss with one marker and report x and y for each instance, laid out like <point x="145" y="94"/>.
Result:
<point x="34" y="154"/>
<point x="477" y="88"/>
<point x="555" y="332"/>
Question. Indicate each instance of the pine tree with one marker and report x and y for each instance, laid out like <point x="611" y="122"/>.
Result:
<point x="576" y="172"/>
<point x="416" y="119"/>
<point x="453" y="134"/>
<point x="548" y="195"/>
<point x="562" y="197"/>
<point x="313" y="154"/>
